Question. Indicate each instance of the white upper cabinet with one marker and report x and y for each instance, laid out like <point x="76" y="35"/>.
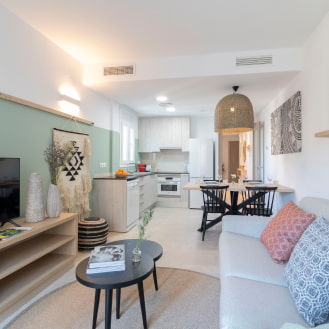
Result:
<point x="163" y="132"/>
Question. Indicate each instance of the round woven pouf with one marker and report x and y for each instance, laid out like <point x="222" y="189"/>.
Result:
<point x="92" y="232"/>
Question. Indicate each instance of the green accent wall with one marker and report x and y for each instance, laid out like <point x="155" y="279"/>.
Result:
<point x="115" y="151"/>
<point x="26" y="132"/>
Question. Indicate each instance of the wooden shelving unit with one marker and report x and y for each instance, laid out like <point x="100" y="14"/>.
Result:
<point x="31" y="260"/>
<point x="322" y="134"/>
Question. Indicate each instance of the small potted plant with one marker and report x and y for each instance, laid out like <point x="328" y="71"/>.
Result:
<point x="141" y="235"/>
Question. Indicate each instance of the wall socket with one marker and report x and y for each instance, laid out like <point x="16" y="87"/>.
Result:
<point x="103" y="165"/>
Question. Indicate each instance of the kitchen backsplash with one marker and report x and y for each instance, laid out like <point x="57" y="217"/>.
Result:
<point x="166" y="160"/>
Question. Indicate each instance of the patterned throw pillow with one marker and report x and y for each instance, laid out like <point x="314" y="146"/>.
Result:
<point x="307" y="273"/>
<point x="289" y="325"/>
<point x="284" y="230"/>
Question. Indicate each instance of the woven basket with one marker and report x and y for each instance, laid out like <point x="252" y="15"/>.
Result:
<point x="92" y="232"/>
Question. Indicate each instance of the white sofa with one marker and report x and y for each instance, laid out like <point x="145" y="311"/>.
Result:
<point x="254" y="293"/>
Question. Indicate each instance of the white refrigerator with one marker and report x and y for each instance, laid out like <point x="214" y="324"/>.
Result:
<point x="201" y="166"/>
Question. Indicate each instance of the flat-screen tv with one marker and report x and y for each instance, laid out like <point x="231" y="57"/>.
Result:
<point x="9" y="189"/>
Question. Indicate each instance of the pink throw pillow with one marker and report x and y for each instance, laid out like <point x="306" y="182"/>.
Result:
<point x="283" y="232"/>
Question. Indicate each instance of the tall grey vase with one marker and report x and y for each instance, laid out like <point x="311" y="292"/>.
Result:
<point x="54" y="202"/>
<point x="34" y="203"/>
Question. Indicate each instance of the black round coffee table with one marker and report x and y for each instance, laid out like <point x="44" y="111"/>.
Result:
<point x="134" y="273"/>
<point x="148" y="247"/>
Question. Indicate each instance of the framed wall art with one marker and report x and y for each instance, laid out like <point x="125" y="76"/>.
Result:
<point x="286" y="127"/>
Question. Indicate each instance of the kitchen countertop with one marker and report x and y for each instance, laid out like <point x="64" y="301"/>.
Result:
<point x="139" y="174"/>
<point x="130" y="177"/>
<point x="172" y="172"/>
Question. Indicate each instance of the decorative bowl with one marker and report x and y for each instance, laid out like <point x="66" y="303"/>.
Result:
<point x="121" y="176"/>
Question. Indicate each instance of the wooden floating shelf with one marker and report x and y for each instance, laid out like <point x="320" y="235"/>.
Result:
<point x="43" y="108"/>
<point x="322" y="134"/>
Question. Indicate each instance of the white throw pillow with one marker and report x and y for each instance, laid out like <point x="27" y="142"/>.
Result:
<point x="307" y="273"/>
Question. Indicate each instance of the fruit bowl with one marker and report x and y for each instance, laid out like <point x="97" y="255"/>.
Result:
<point x="121" y="175"/>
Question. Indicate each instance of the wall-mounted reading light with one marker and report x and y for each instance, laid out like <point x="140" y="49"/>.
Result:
<point x="69" y="91"/>
<point x="70" y="100"/>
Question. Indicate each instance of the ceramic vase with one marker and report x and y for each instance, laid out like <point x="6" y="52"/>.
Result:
<point x="137" y="255"/>
<point x="34" y="202"/>
<point x="54" y="202"/>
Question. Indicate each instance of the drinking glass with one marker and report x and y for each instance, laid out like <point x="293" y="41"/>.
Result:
<point x="269" y="177"/>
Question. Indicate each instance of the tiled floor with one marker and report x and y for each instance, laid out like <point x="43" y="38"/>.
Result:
<point x="176" y="230"/>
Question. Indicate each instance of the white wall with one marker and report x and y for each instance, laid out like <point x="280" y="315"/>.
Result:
<point x="307" y="172"/>
<point x="33" y="68"/>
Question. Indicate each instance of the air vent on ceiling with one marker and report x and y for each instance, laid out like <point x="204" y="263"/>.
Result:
<point x="256" y="60"/>
<point x="119" y="70"/>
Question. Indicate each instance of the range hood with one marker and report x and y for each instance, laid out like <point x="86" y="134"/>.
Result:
<point x="169" y="148"/>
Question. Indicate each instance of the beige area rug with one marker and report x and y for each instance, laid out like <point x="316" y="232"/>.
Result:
<point x="185" y="300"/>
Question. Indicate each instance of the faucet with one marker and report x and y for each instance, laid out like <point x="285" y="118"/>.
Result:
<point x="131" y="167"/>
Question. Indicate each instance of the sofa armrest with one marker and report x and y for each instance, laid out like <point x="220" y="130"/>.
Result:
<point x="252" y="226"/>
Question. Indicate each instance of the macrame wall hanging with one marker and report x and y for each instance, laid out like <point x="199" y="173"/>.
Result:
<point x="74" y="182"/>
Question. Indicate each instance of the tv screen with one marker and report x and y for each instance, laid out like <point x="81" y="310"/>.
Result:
<point x="9" y="189"/>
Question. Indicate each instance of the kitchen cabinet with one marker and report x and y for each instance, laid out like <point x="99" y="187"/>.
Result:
<point x="148" y="137"/>
<point x="163" y="132"/>
<point x="117" y="201"/>
<point x="147" y="193"/>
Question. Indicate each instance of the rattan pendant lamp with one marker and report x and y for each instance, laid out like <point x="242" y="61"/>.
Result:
<point x="234" y="114"/>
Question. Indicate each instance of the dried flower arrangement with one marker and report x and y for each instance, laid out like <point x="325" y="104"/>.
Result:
<point x="57" y="156"/>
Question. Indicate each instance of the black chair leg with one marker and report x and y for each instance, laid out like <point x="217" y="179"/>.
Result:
<point x="204" y="222"/>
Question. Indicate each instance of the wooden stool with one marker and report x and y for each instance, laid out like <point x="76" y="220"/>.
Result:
<point x="92" y="232"/>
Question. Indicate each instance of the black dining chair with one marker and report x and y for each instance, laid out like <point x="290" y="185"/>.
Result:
<point x="259" y="200"/>
<point x="214" y="197"/>
<point x="249" y="181"/>
<point x="252" y="181"/>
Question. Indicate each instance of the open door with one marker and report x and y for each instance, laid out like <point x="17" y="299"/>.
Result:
<point x="258" y="155"/>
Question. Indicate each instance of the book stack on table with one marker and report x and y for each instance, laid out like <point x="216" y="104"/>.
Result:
<point x="109" y="258"/>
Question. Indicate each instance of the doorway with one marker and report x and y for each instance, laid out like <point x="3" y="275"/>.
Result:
<point x="235" y="151"/>
<point x="233" y="158"/>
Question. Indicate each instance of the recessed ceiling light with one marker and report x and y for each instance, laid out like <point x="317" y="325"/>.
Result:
<point x="170" y="109"/>
<point x="162" y="99"/>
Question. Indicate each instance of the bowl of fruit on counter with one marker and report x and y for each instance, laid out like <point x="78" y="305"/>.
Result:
<point x="121" y="173"/>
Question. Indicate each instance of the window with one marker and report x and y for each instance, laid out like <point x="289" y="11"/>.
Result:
<point x="127" y="143"/>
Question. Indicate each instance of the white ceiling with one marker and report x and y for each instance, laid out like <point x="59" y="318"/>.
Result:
<point x="154" y="33"/>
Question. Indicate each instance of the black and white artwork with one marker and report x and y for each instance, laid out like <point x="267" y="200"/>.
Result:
<point x="286" y="127"/>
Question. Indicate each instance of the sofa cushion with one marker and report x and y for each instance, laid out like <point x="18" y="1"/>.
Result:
<point x="249" y="304"/>
<point x="297" y="326"/>
<point x="247" y="257"/>
<point x="284" y="230"/>
<point x="307" y="273"/>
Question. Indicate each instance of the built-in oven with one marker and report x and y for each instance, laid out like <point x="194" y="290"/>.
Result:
<point x="169" y="185"/>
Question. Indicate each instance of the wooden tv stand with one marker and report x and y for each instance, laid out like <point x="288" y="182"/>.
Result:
<point x="31" y="260"/>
